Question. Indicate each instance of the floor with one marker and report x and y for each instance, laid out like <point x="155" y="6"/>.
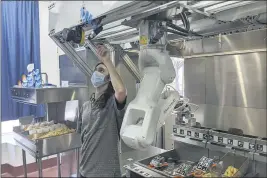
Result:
<point x="50" y="172"/>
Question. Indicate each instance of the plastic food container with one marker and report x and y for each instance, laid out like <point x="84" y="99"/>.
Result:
<point x="61" y="125"/>
<point x="46" y="129"/>
<point x="23" y="127"/>
<point x="51" y="128"/>
<point x="57" y="126"/>
<point x="33" y="131"/>
<point x="36" y="124"/>
<point x="42" y="124"/>
<point x="40" y="130"/>
<point x="50" y="123"/>
<point x="30" y="127"/>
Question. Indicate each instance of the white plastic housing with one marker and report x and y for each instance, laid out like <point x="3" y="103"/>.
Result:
<point x="158" y="71"/>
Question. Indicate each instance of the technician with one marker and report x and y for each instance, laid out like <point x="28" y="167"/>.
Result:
<point x="100" y="119"/>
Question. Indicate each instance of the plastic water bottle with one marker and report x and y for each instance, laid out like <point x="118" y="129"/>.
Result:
<point x="30" y="80"/>
<point x="37" y="78"/>
<point x="85" y="16"/>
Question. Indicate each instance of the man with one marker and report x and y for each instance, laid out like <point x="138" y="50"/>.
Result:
<point x="100" y="120"/>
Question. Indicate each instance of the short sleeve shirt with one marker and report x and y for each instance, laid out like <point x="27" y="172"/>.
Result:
<point x="100" y="139"/>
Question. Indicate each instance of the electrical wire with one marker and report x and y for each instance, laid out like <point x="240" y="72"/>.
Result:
<point x="180" y="29"/>
<point x="176" y="32"/>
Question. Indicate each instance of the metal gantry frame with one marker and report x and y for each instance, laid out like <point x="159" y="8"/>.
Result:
<point x="124" y="57"/>
<point x="127" y="17"/>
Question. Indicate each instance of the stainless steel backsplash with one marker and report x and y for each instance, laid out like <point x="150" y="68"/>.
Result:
<point x="230" y="85"/>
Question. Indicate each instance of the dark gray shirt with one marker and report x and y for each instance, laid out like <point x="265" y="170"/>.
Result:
<point x="99" y="128"/>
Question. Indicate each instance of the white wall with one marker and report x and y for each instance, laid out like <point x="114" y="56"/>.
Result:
<point x="48" y="48"/>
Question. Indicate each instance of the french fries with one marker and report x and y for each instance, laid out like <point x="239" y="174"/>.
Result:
<point x="57" y="132"/>
<point x="230" y="171"/>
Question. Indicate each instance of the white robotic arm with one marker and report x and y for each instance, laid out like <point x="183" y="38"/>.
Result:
<point x="147" y="112"/>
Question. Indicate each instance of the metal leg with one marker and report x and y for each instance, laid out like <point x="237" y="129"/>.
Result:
<point x="24" y="163"/>
<point x="78" y="161"/>
<point x="40" y="169"/>
<point x="71" y="156"/>
<point x="58" y="165"/>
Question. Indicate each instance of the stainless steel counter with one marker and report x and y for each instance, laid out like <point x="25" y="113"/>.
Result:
<point x="46" y="147"/>
<point x="132" y="156"/>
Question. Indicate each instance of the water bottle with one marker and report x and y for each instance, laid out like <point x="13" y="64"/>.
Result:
<point x="85" y="16"/>
<point x="30" y="79"/>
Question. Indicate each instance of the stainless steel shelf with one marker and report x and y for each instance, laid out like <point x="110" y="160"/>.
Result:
<point x="48" y="95"/>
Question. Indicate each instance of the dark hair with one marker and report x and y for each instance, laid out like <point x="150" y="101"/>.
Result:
<point x="99" y="64"/>
<point x="102" y="100"/>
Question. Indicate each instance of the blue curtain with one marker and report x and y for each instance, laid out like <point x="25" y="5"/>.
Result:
<point x="20" y="46"/>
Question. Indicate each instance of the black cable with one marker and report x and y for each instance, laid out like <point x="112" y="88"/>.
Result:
<point x="187" y="24"/>
<point x="184" y="21"/>
<point x="176" y="32"/>
<point x="169" y="24"/>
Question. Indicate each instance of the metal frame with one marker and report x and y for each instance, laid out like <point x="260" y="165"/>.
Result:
<point x="72" y="54"/>
<point x="127" y="60"/>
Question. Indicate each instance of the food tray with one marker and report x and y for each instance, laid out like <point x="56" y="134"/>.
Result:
<point x="240" y="162"/>
<point x="46" y="131"/>
<point x="170" y="154"/>
<point x="192" y="156"/>
<point x="47" y="146"/>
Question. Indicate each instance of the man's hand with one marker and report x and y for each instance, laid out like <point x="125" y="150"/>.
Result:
<point x="103" y="53"/>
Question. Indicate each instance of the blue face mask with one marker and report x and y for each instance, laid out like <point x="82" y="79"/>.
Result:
<point x="98" y="79"/>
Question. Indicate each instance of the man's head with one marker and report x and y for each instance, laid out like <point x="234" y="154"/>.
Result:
<point x="101" y="81"/>
<point x="100" y="76"/>
<point x="100" y="67"/>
